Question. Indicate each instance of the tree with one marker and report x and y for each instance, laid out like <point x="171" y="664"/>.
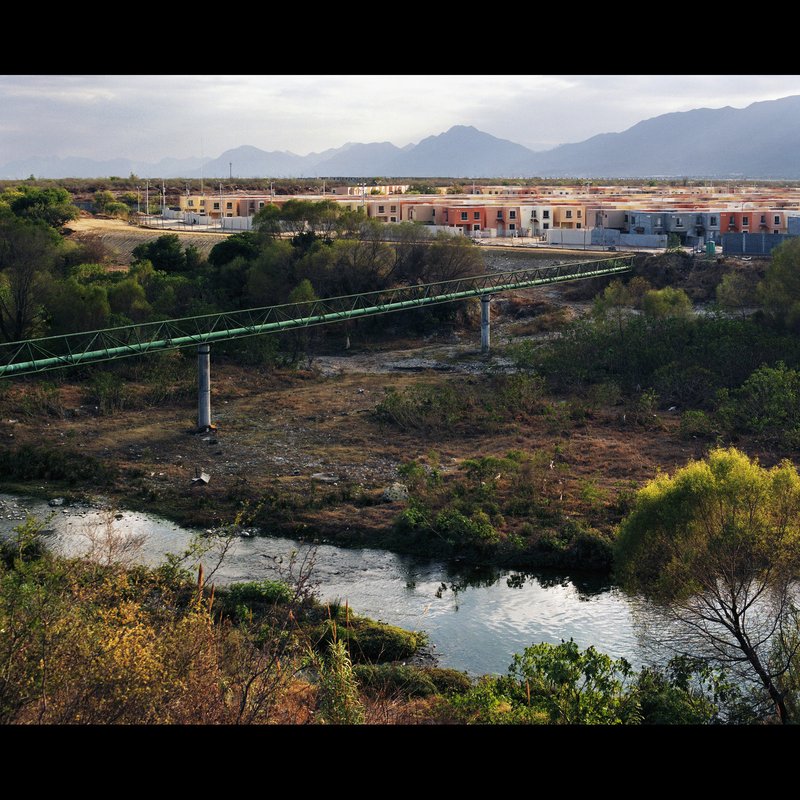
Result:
<point x="736" y="293"/>
<point x="165" y="253"/>
<point x="28" y="255"/>
<point x="614" y="304"/>
<point x="666" y="302"/>
<point x="106" y="203"/>
<point x="673" y="242"/>
<point x="716" y="547"/>
<point x="779" y="292"/>
<point x="578" y="687"/>
<point x="53" y="207"/>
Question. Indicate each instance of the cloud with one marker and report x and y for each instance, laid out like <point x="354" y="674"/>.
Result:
<point x="148" y="117"/>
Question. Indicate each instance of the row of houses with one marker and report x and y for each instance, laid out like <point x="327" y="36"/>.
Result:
<point x="648" y="222"/>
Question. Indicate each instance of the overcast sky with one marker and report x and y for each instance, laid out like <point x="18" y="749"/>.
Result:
<point x="152" y="117"/>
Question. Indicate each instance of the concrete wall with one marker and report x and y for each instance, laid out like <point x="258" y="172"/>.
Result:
<point x="643" y="240"/>
<point x="570" y="236"/>
<point x="605" y="236"/>
<point x="237" y="223"/>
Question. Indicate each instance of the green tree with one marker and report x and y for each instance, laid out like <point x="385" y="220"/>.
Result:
<point x="613" y="304"/>
<point x="673" y="242"/>
<point x="165" y="253"/>
<point x="577" y="687"/>
<point x="716" y="547"/>
<point x="28" y="254"/>
<point x="767" y="403"/>
<point x="736" y="293"/>
<point x="666" y="302"/>
<point x="243" y="245"/>
<point x="779" y="292"/>
<point x="106" y="203"/>
<point x="52" y="207"/>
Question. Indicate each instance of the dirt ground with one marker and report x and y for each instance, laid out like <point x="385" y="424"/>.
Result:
<point x="121" y="237"/>
<point x="313" y="432"/>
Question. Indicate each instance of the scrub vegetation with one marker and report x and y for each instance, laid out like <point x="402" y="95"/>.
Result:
<point x="650" y="436"/>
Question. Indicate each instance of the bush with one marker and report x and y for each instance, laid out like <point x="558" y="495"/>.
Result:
<point x="370" y="642"/>
<point x="405" y="681"/>
<point x="30" y="462"/>
<point x="696" y="424"/>
<point x="765" y="404"/>
<point x="260" y="591"/>
<point x="109" y="392"/>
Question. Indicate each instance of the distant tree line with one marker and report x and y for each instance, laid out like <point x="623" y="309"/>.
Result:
<point x="54" y="284"/>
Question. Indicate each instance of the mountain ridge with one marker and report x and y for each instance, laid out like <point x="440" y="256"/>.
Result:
<point x="758" y="141"/>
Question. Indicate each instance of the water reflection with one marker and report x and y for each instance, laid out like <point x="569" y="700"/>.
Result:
<point x="476" y="617"/>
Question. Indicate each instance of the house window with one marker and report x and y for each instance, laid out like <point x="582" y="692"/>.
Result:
<point x="464" y="215"/>
<point x="777" y="220"/>
<point x="763" y="219"/>
<point x="499" y="215"/>
<point x="626" y="218"/>
<point x="228" y="205"/>
<point x="569" y="214"/>
<point x="476" y="227"/>
<point x="712" y="221"/>
<point x="393" y="209"/>
<point x="190" y="202"/>
<point x="392" y="219"/>
<point x="202" y="202"/>
<point x="577" y="225"/>
<point x="732" y="220"/>
<point x="380" y="209"/>
<point x="775" y="231"/>
<point x="633" y="219"/>
<point x="476" y="214"/>
<point x="261" y="204"/>
<point x="545" y="226"/>
<point x="678" y="222"/>
<point x="658" y="222"/>
<point x="579" y="214"/>
<point x="216" y="206"/>
<point x="512" y="227"/>
<point x="545" y="215"/>
<point x="512" y="214"/>
<point x="745" y="220"/>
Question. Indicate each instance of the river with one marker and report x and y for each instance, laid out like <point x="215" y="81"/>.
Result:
<point x="475" y="619"/>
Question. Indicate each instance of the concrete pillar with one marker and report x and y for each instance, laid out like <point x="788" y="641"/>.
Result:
<point x="204" y="387"/>
<point x="485" y="300"/>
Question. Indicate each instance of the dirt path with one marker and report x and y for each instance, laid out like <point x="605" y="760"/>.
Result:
<point x="121" y="237"/>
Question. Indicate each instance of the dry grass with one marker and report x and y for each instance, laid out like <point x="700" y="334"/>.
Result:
<point x="276" y="430"/>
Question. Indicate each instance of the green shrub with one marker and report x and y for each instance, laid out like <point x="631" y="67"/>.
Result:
<point x="370" y="642"/>
<point x="459" y="530"/>
<point x="425" y="408"/>
<point x="405" y="681"/>
<point x="696" y="424"/>
<point x="30" y="462"/>
<point x="41" y="399"/>
<point x="260" y="591"/>
<point x="108" y="392"/>
<point x="766" y="403"/>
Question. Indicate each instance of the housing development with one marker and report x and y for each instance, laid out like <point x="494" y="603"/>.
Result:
<point x="747" y="219"/>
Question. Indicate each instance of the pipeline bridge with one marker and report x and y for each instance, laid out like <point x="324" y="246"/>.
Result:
<point x="56" y="352"/>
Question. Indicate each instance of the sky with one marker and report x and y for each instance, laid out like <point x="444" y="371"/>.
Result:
<point x="150" y="117"/>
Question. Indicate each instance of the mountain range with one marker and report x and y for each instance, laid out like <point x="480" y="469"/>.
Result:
<point x="759" y="141"/>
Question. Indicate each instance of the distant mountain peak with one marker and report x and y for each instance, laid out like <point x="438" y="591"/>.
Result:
<point x="759" y="141"/>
